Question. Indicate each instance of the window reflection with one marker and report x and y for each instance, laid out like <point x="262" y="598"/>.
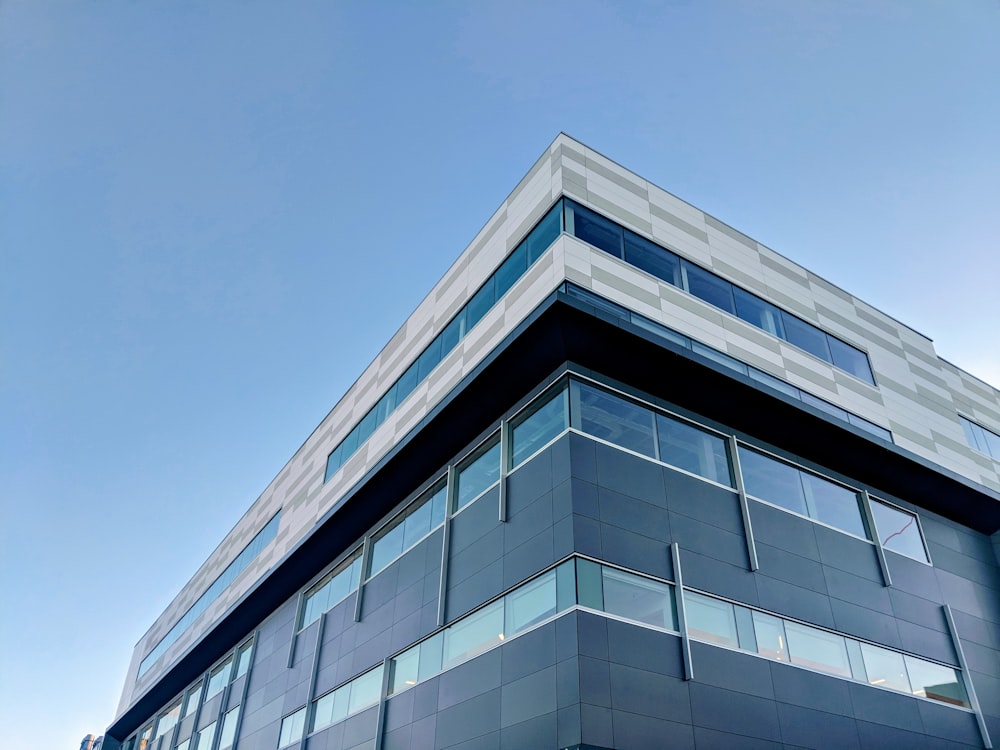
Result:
<point x="898" y="531"/>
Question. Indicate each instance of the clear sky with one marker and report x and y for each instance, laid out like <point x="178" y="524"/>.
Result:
<point x="213" y="216"/>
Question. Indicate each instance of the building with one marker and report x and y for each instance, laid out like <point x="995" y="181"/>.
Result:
<point x="626" y="478"/>
<point x="90" y="742"/>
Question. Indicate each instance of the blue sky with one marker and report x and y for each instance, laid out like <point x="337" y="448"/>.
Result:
<point x="212" y="217"/>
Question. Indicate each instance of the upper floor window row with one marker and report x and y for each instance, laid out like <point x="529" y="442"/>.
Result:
<point x="493" y="289"/>
<point x="667" y="266"/>
<point x="727" y="361"/>
<point x="237" y="566"/>
<point x="981" y="439"/>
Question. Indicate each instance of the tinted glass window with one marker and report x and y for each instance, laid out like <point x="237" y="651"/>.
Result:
<point x="511" y="270"/>
<point x="833" y="504"/>
<point x="710" y="620"/>
<point x="474" y="634"/>
<point x="806" y="336"/>
<point x="477" y="474"/>
<point x="709" y="287"/>
<point x="614" y="419"/>
<point x="756" y="311"/>
<point x="480" y="303"/>
<point x="530" y="604"/>
<point x="365" y="690"/>
<point x="538" y="427"/>
<point x="817" y="649"/>
<point x="885" y="668"/>
<point x="851" y="360"/>
<point x="638" y="599"/>
<point x="652" y="259"/>
<point x="936" y="682"/>
<point x="898" y="531"/>
<point x="594" y="229"/>
<point x="689" y="448"/>
<point x="769" y="632"/>
<point x="773" y="481"/>
<point x="452" y="333"/>
<point x="545" y="233"/>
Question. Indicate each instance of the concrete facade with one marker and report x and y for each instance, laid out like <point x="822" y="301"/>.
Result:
<point x="583" y="678"/>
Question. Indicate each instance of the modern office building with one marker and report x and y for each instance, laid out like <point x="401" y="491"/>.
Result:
<point x="626" y="478"/>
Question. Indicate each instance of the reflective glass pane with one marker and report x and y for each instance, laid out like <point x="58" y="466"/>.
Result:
<point x="243" y="660"/>
<point x="218" y="679"/>
<point x="386" y="548"/>
<point x="545" y="233"/>
<point x="366" y="426"/>
<point x="417" y="524"/>
<point x="730" y="363"/>
<point x="365" y="690"/>
<point x="538" y="427"/>
<point x="769" y="632"/>
<point x="405" y="670"/>
<point x="593" y="229"/>
<point x="292" y="727"/>
<point x="874" y="429"/>
<point x="772" y="480"/>
<point x="710" y="620"/>
<point x="597" y="301"/>
<point x="689" y="448"/>
<point x="614" y="419"/>
<point x="936" y="682"/>
<point x="405" y="385"/>
<point x="652" y="259"/>
<point x="757" y="312"/>
<point x="331" y="708"/>
<point x="453" y="333"/>
<point x="474" y="634"/>
<point x="589" y="584"/>
<point x="706" y="286"/>
<point x="480" y="303"/>
<point x="228" y="734"/>
<point x="833" y="504"/>
<point x="181" y="746"/>
<point x="885" y="668"/>
<point x="849" y="359"/>
<point x="638" y="599"/>
<point x="431" y="652"/>
<point x="191" y="702"/>
<point x="972" y="435"/>
<point x="511" y="270"/>
<point x="805" y="336"/>
<point x="428" y="360"/>
<point x="777" y="383"/>
<point x="817" y="649"/>
<point x="530" y="604"/>
<point x="662" y="331"/>
<point x="824" y="406"/>
<point x="205" y="737"/>
<point x="475" y="476"/>
<point x="898" y="531"/>
<point x="992" y="443"/>
<point x="168" y="719"/>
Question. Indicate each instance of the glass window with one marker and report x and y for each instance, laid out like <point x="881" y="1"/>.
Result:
<point x="427" y="361"/>
<point x="851" y="360"/>
<point x="935" y="681"/>
<point x="546" y="419"/>
<point x="824" y="406"/>
<point x="474" y="634"/>
<point x="385" y="405"/>
<point x="545" y="233"/>
<point x="652" y="259"/>
<point x="431" y="656"/>
<point x="168" y="719"/>
<point x="589" y="584"/>
<point x="993" y="443"/>
<point x="817" y="649"/>
<point x="530" y="604"/>
<point x="981" y="439"/>
<point x="757" y="312"/>
<point x="614" y="419"/>
<point x="885" y="667"/>
<point x="218" y="679"/>
<point x="332" y="707"/>
<point x="710" y="620"/>
<point x="594" y="229"/>
<point x="707" y="286"/>
<point x="243" y="659"/>
<point x="777" y="383"/>
<point x="404" y="387"/>
<point x="730" y="363"/>
<point x="181" y="746"/>
<point x="405" y="670"/>
<point x="769" y="632"/>
<point x="898" y="531"/>
<point x="191" y="701"/>
<point x="333" y="588"/>
<point x="771" y="480"/>
<point x="874" y="429"/>
<point x="597" y="301"/>
<point x="480" y="303"/>
<point x="292" y="728"/>
<point x="206" y="737"/>
<point x="228" y="734"/>
<point x="692" y="449"/>
<point x="365" y="690"/>
<point x="833" y="504"/>
<point x="511" y="269"/>
<point x="453" y="333"/>
<point x="387" y="548"/>
<point x="479" y="473"/>
<point x="806" y="336"/>
<point x="144" y="737"/>
<point x="661" y="331"/>
<point x="638" y="599"/>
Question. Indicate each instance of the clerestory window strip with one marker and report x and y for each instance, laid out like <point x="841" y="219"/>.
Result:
<point x="609" y="236"/>
<point x="726" y="360"/>
<point x="488" y="295"/>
